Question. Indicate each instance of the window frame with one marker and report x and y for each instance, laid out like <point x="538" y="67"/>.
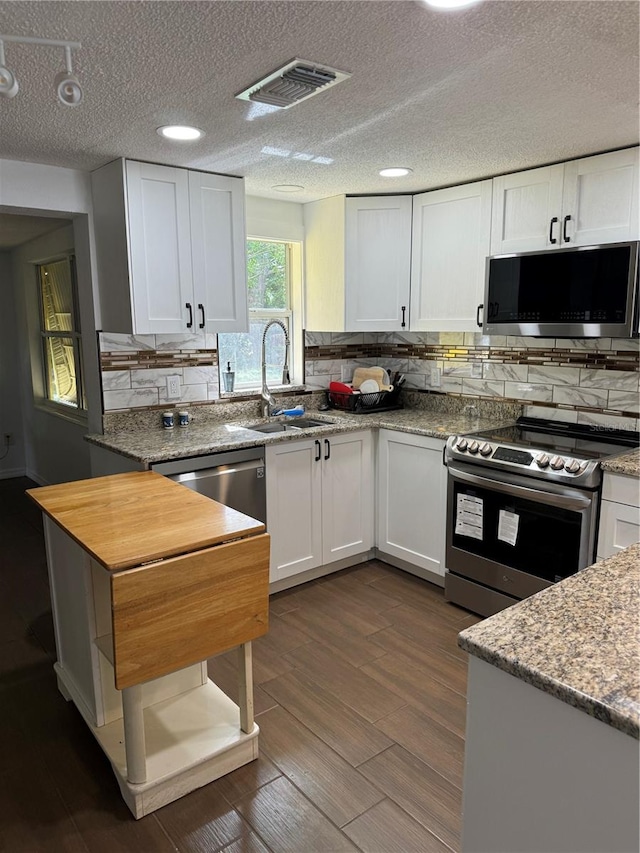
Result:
<point x="77" y="413"/>
<point x="292" y="315"/>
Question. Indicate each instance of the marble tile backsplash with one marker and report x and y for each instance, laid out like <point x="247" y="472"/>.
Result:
<point x="135" y="370"/>
<point x="590" y="377"/>
<point x="593" y="380"/>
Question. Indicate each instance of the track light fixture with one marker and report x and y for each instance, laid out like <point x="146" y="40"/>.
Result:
<point x="8" y="82"/>
<point x="66" y="83"/>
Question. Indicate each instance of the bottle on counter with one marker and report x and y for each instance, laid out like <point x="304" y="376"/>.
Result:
<point x="229" y="378"/>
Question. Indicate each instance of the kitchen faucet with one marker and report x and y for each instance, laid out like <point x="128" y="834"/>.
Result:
<point x="267" y="402"/>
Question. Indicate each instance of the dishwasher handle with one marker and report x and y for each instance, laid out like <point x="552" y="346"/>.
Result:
<point x="217" y="471"/>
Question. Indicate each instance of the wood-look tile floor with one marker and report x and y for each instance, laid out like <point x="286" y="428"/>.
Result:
<point x="359" y="695"/>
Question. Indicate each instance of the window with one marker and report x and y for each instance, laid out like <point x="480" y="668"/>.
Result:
<point x="60" y="333"/>
<point x="269" y="283"/>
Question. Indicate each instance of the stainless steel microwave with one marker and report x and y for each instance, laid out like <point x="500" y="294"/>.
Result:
<point x="580" y="292"/>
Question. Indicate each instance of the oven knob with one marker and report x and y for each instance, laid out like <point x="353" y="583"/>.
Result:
<point x="485" y="448"/>
<point x="474" y="447"/>
<point x="557" y="462"/>
<point x="572" y="466"/>
<point x="462" y="444"/>
<point x="542" y="460"/>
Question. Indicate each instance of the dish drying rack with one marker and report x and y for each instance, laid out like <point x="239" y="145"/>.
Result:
<point x="357" y="403"/>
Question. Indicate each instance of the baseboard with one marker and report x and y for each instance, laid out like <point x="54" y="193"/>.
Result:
<point x="320" y="571"/>
<point x="399" y="563"/>
<point x="37" y="478"/>
<point x="373" y="554"/>
<point x="11" y="473"/>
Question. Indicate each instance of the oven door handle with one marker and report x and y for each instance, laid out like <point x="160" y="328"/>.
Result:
<point x="572" y="501"/>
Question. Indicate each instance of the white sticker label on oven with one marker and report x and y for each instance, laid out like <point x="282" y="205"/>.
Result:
<point x="469" y="517"/>
<point x="508" y="526"/>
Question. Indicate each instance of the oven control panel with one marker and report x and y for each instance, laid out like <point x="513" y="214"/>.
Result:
<point x="536" y="463"/>
<point x="506" y="454"/>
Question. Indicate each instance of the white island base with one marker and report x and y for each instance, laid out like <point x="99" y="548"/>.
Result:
<point x="148" y="580"/>
<point x="544" y="777"/>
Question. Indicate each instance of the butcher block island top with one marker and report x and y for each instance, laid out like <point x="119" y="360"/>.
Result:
<point x="126" y="520"/>
<point x="148" y="580"/>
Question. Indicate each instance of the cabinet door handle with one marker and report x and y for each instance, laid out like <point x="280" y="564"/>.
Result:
<point x="318" y="450"/>
<point x="404" y="309"/>
<point x="552" y="239"/>
<point x="190" y="323"/>
<point x="201" y="309"/>
<point x="564" y="229"/>
<point x="479" y="309"/>
<point x="327" y="445"/>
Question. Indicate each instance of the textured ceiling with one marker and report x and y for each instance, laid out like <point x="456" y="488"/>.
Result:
<point x="455" y="96"/>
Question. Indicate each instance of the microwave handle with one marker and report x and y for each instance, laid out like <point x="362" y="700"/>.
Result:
<point x="478" y="310"/>
<point x="575" y="501"/>
<point x="552" y="239"/>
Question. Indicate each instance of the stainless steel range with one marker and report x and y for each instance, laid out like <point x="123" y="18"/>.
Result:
<point x="522" y="508"/>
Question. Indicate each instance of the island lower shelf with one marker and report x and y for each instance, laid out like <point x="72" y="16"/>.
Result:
<point x="191" y="739"/>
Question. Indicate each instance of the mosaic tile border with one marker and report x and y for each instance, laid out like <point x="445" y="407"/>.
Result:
<point x="554" y="356"/>
<point x="150" y="359"/>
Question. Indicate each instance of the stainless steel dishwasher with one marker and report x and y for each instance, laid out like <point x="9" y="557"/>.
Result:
<point x="235" y="479"/>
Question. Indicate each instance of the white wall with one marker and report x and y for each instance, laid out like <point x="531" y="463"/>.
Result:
<point x="13" y="464"/>
<point x="274" y="220"/>
<point x="54" y="449"/>
<point x="37" y="189"/>
<point x="25" y="187"/>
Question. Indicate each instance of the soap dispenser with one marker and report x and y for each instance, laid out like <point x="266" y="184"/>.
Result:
<point x="228" y="377"/>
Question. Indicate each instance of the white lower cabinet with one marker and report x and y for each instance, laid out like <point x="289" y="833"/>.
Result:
<point x="411" y="500"/>
<point x="619" y="514"/>
<point x="319" y="501"/>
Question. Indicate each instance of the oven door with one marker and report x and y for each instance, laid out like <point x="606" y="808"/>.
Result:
<point x="515" y="534"/>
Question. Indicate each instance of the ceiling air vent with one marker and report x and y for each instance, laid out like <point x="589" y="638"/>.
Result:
<point x="293" y="83"/>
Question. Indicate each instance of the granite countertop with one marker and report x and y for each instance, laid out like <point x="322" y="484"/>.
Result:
<point x="159" y="445"/>
<point x="627" y="463"/>
<point x="578" y="640"/>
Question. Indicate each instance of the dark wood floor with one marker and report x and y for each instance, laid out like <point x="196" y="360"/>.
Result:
<point x="360" y="699"/>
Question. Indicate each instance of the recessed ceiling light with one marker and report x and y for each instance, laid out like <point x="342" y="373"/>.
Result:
<point x="288" y="188"/>
<point x="181" y="132"/>
<point x="450" y="4"/>
<point x="395" y="172"/>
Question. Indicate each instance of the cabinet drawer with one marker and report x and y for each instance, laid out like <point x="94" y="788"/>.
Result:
<point x="171" y="614"/>
<point x="621" y="489"/>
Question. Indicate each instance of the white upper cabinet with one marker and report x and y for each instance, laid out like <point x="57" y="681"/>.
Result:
<point x="170" y="247"/>
<point x="526" y="210"/>
<point x="451" y="241"/>
<point x="358" y="263"/>
<point x="218" y="251"/>
<point x="378" y="263"/>
<point x="159" y="247"/>
<point x="583" y="202"/>
<point x="601" y="196"/>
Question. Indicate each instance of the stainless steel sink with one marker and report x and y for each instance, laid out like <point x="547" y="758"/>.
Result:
<point x="296" y="425"/>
